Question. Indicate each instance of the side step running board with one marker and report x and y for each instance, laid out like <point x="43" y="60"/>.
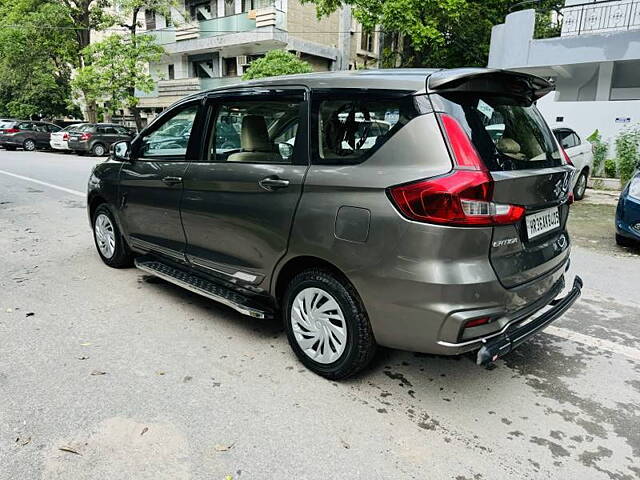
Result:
<point x="202" y="287"/>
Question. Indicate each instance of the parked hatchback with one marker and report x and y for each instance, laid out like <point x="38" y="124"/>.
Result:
<point x="430" y="234"/>
<point x="97" y="138"/>
<point x="581" y="154"/>
<point x="26" y="134"/>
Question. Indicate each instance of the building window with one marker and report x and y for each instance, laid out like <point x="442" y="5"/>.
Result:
<point x="230" y="67"/>
<point x="172" y="71"/>
<point x="366" y="41"/>
<point x="248" y="5"/>
<point x="150" y="19"/>
<point x="229" y="8"/>
<point x="202" y="9"/>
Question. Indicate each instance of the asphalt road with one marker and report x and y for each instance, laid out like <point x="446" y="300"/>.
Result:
<point x="110" y="374"/>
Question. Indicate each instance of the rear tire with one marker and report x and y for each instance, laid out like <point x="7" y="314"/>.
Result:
<point x="110" y="243"/>
<point x="98" y="150"/>
<point x="581" y="186"/>
<point x="625" y="242"/>
<point x="327" y="325"/>
<point x="29" y="145"/>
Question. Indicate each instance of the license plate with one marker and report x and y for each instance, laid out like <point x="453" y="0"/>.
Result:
<point x="542" y="222"/>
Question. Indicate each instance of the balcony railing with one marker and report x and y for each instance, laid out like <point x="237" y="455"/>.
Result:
<point x="597" y="17"/>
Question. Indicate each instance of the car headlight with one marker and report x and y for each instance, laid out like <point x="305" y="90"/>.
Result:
<point x="634" y="188"/>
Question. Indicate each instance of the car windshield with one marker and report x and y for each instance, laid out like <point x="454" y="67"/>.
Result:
<point x="507" y="133"/>
<point x="71" y="128"/>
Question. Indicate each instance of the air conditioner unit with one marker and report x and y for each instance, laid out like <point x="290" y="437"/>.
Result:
<point x="243" y="60"/>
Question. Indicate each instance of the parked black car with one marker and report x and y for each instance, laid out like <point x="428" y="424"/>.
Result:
<point x="96" y="138"/>
<point x="27" y="134"/>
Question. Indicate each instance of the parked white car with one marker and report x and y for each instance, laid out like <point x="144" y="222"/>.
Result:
<point x="581" y="154"/>
<point x="60" y="140"/>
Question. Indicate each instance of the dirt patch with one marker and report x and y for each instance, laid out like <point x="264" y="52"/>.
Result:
<point x="591" y="225"/>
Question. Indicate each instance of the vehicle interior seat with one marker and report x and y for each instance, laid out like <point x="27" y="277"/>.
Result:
<point x="510" y="147"/>
<point x="255" y="144"/>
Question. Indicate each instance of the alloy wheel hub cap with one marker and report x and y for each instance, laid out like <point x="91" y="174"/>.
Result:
<point x="105" y="236"/>
<point x="318" y="325"/>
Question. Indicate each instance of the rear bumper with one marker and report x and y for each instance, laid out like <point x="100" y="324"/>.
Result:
<point x="515" y="334"/>
<point x="80" y="146"/>
<point x="59" y="145"/>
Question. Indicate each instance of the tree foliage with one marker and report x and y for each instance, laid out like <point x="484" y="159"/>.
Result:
<point x="117" y="68"/>
<point x="274" y="63"/>
<point x="628" y="153"/>
<point x="434" y="33"/>
<point x="35" y="62"/>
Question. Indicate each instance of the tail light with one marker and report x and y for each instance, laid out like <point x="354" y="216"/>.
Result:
<point x="11" y="130"/>
<point x="462" y="197"/>
<point x="566" y="157"/>
<point x="85" y="137"/>
<point x="65" y="136"/>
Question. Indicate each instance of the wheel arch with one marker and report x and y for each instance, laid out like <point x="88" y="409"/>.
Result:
<point x="93" y="203"/>
<point x="292" y="266"/>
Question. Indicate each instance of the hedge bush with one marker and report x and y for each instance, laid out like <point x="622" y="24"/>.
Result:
<point x="627" y="145"/>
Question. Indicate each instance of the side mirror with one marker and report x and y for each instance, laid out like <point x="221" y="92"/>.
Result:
<point x="285" y="149"/>
<point x="121" y="151"/>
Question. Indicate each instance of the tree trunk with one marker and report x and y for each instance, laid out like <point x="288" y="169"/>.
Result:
<point x="137" y="117"/>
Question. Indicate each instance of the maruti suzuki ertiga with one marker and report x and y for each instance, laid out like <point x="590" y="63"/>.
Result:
<point x="364" y="208"/>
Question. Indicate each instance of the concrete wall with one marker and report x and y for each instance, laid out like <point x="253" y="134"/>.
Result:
<point x="513" y="46"/>
<point x="303" y="23"/>
<point x="585" y="117"/>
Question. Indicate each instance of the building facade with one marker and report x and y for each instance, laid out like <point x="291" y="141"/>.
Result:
<point x="595" y="63"/>
<point x="222" y="37"/>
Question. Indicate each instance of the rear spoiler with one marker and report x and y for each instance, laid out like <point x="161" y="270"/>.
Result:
<point x="485" y="80"/>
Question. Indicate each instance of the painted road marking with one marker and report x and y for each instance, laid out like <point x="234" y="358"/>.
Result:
<point x="590" y="341"/>
<point x="46" y="184"/>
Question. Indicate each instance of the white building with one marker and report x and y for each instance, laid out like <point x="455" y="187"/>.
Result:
<point x="222" y="37"/>
<point x="595" y="63"/>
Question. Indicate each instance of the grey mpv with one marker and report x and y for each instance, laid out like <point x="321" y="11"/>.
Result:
<point x="366" y="208"/>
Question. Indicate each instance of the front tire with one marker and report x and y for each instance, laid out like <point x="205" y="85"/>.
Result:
<point x="29" y="145"/>
<point x="327" y="325"/>
<point x="110" y="243"/>
<point x="625" y="242"/>
<point x="581" y="186"/>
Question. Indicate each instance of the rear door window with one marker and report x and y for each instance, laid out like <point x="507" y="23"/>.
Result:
<point x="507" y="133"/>
<point x="351" y="126"/>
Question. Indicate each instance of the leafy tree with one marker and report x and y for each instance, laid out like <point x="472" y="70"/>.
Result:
<point x="428" y="33"/>
<point x="276" y="62"/>
<point x="35" y="62"/>
<point x="118" y="67"/>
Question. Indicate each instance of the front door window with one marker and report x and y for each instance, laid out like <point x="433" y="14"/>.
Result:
<point x="171" y="138"/>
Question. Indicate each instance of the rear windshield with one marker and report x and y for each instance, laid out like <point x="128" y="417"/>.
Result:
<point x="507" y="133"/>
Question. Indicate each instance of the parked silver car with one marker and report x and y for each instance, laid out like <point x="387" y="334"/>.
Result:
<point x="435" y="236"/>
<point x="581" y="154"/>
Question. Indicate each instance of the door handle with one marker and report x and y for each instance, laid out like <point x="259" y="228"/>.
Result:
<point x="172" y="180"/>
<point x="273" y="183"/>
